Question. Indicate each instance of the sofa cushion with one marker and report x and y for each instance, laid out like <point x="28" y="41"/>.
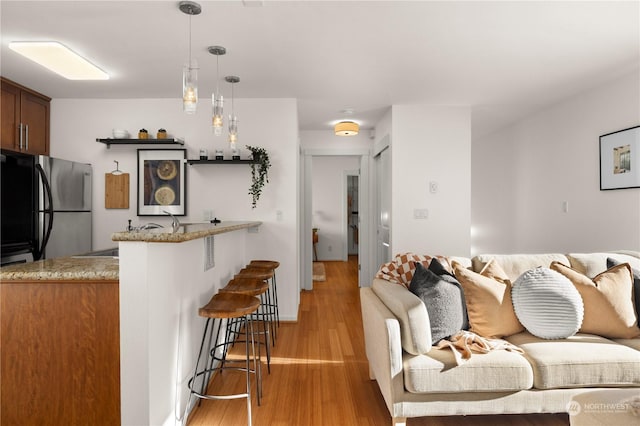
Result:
<point x="443" y="300"/>
<point x="415" y="333"/>
<point x="583" y="360"/>
<point x="488" y="298"/>
<point x="591" y="264"/>
<point x="608" y="304"/>
<point x="547" y="304"/>
<point x="437" y="371"/>
<point x="636" y="284"/>
<point x="515" y="265"/>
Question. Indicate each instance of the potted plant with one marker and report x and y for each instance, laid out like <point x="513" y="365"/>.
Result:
<point x="259" y="172"/>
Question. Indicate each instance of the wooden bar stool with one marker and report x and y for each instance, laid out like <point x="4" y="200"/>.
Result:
<point x="269" y="307"/>
<point x="270" y="265"/>
<point x="224" y="306"/>
<point x="251" y="287"/>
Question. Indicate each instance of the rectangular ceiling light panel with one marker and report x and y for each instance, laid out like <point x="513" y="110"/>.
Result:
<point x="59" y="59"/>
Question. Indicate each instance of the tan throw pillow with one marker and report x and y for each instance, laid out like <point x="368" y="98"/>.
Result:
<point x="488" y="297"/>
<point x="608" y="306"/>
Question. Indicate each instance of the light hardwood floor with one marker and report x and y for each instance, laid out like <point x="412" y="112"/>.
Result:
<point x="319" y="373"/>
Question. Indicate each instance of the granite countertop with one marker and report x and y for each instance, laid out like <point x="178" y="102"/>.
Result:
<point x="103" y="268"/>
<point x="186" y="232"/>
<point x="72" y="268"/>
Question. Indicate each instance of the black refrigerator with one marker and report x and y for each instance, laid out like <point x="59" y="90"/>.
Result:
<point x="45" y="207"/>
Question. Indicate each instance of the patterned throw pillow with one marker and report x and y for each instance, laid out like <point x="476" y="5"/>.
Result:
<point x="547" y="304"/>
<point x="401" y="269"/>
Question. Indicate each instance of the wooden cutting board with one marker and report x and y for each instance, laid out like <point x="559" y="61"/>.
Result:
<point x="116" y="191"/>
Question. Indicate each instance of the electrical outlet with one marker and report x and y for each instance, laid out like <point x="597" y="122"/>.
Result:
<point x="433" y="187"/>
<point x="329" y="248"/>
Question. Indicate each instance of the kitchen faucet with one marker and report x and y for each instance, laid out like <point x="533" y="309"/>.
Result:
<point x="175" y="223"/>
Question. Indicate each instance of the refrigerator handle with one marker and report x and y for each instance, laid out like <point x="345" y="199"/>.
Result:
<point x="46" y="233"/>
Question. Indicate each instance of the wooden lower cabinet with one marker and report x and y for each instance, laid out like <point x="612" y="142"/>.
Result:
<point x="60" y="353"/>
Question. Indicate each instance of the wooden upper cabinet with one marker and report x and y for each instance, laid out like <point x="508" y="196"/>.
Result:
<point x="10" y="108"/>
<point x="25" y="119"/>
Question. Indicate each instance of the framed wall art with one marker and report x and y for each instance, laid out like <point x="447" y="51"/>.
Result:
<point x="162" y="182"/>
<point x="620" y="159"/>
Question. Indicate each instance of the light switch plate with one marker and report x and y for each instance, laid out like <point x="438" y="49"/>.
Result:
<point x="420" y="213"/>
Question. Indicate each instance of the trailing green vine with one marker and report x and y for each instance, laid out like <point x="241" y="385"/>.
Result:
<point x="259" y="172"/>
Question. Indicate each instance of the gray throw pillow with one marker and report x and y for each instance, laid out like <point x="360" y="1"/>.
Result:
<point x="443" y="300"/>
<point x="636" y="285"/>
<point x="436" y="267"/>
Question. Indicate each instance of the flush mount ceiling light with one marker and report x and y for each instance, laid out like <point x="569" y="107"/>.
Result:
<point x="190" y="70"/>
<point x="216" y="98"/>
<point x="346" y="128"/>
<point x="59" y="59"/>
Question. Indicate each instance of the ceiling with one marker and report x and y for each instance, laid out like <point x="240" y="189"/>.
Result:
<point x="504" y="59"/>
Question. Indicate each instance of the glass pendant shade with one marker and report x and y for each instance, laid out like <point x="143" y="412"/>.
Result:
<point x="233" y="120"/>
<point x="233" y="131"/>
<point x="217" y="100"/>
<point x="217" y="105"/>
<point x="190" y="88"/>
<point x="190" y="70"/>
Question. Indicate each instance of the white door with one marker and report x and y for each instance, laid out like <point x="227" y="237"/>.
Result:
<point x="383" y="207"/>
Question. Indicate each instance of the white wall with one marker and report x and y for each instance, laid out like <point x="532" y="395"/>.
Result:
<point x="325" y="140"/>
<point x="269" y="123"/>
<point x="329" y="204"/>
<point x="523" y="174"/>
<point x="431" y="144"/>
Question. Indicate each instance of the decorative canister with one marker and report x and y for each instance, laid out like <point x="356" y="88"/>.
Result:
<point x="162" y="134"/>
<point x="143" y="134"/>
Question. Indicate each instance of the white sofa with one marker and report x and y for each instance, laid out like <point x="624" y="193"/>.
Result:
<point x="426" y="381"/>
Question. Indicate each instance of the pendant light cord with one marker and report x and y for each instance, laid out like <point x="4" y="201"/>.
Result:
<point x="190" y="42"/>
<point x="217" y="75"/>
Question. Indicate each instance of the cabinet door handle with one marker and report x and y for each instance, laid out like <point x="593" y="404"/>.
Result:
<point x="26" y="132"/>
<point x="20" y="136"/>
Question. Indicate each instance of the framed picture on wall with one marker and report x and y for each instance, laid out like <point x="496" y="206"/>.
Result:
<point x="162" y="182"/>
<point x="620" y="159"/>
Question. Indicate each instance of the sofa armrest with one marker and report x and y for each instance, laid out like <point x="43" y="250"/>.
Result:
<point x="382" y="345"/>
<point x="411" y="313"/>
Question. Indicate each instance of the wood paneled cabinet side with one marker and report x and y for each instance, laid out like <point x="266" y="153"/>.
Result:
<point x="60" y="353"/>
<point x="25" y="119"/>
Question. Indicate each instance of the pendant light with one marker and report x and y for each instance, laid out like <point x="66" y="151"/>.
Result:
<point x="190" y="70"/>
<point x="216" y="97"/>
<point x="233" y="120"/>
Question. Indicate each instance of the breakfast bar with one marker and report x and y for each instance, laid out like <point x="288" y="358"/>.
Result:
<point x="165" y="276"/>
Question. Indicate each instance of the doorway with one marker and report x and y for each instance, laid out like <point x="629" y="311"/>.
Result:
<point x="352" y="216"/>
<point x="364" y="249"/>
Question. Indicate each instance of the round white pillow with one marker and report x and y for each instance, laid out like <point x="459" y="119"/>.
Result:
<point x="547" y="304"/>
